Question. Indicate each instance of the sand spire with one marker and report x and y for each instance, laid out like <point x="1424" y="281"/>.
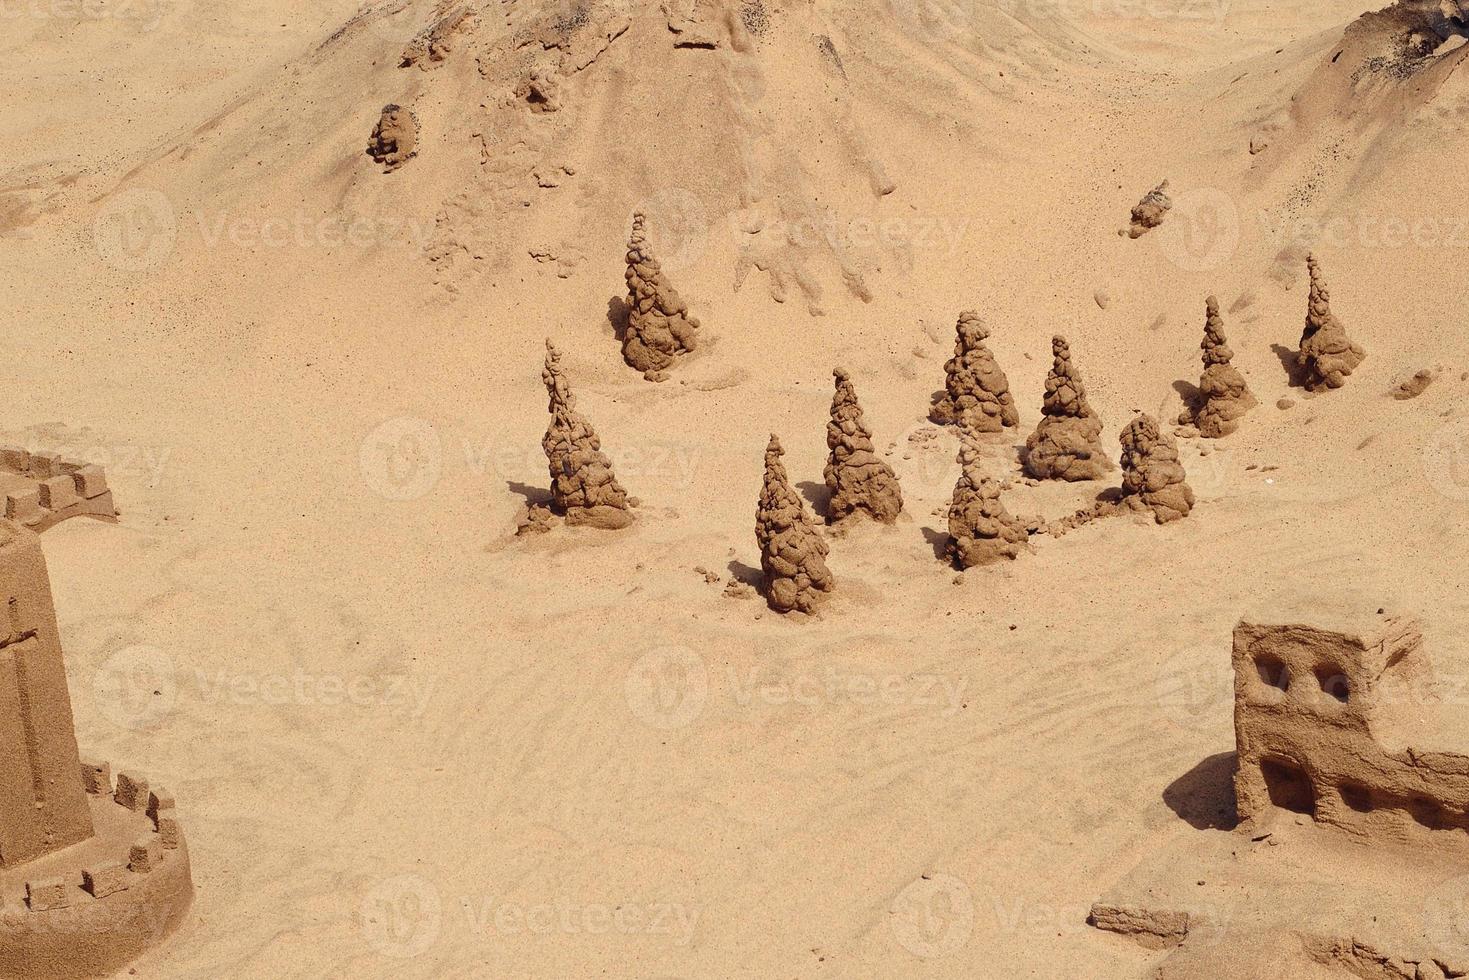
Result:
<point x="1148" y="213"/>
<point x="1067" y="443"/>
<point x="395" y="138"/>
<point x="583" y="487"/>
<point x="1152" y="475"/>
<point x="857" y="478"/>
<point x="976" y="391"/>
<point x="659" y="328"/>
<point x="1223" y="395"/>
<point x="981" y="530"/>
<point x="1327" y="354"/>
<point x="792" y="550"/>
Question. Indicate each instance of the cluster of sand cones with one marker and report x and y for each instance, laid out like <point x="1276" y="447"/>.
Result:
<point x="1066" y="444"/>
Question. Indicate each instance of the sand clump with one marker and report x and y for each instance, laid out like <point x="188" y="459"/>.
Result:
<point x="1149" y="213"/>
<point x="1224" y="397"/>
<point x="659" y="329"/>
<point x="981" y="530"/>
<point x="1067" y="443"/>
<point x="395" y="138"/>
<point x="583" y="488"/>
<point x="976" y="391"/>
<point x="1152" y="475"/>
<point x="859" y="481"/>
<point x="1327" y="355"/>
<point x="792" y="550"/>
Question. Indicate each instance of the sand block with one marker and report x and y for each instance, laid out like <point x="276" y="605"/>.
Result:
<point x="159" y="799"/>
<point x="132" y="791"/>
<point x="97" y="777"/>
<point x="166" y="822"/>
<point x="24" y="506"/>
<point x="59" y="493"/>
<point x="90" y="481"/>
<point x="45" y="894"/>
<point x="15" y="458"/>
<point x="45" y="465"/>
<point x="145" y="855"/>
<point x="105" y="878"/>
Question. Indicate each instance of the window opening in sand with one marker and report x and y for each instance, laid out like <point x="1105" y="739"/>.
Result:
<point x="1288" y="785"/>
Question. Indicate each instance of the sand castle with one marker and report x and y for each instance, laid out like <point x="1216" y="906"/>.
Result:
<point x="858" y="480"/>
<point x="976" y="391"/>
<point x="1152" y="476"/>
<point x="44" y="489"/>
<point x="583" y="487"/>
<point x="1327" y="354"/>
<point x="659" y="329"/>
<point x="90" y="874"/>
<point x="1067" y="443"/>
<point x="981" y="530"/>
<point x="395" y="138"/>
<point x="1148" y="213"/>
<point x="1223" y="395"/>
<point x="792" y="550"/>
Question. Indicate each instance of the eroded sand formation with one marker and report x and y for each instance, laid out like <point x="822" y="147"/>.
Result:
<point x="1223" y="397"/>
<point x="981" y="530"/>
<point x="1067" y="443"/>
<point x="395" y="138"/>
<point x="1152" y="475"/>
<point x="659" y="329"/>
<point x="1149" y="213"/>
<point x="89" y="876"/>
<point x="792" y="550"/>
<point x="433" y="45"/>
<point x="1327" y="355"/>
<point x="976" y="391"/>
<point x="859" y="481"/>
<point x="584" y="489"/>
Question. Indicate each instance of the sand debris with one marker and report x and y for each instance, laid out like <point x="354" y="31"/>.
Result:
<point x="859" y="481"/>
<point x="792" y="550"/>
<point x="976" y="391"/>
<point x="395" y="138"/>
<point x="1327" y="355"/>
<point x="659" y="329"/>
<point x="1148" y="213"/>
<point x="1067" y="443"/>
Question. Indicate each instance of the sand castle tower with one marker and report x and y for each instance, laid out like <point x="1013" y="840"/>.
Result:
<point x="1327" y="354"/>
<point x="1152" y="475"/>
<point x="583" y="487"/>
<point x="395" y="138"/>
<point x="89" y="876"/>
<point x="981" y="530"/>
<point x="1067" y="443"/>
<point x="659" y="328"/>
<point x="792" y="550"/>
<point x="976" y="391"/>
<point x="858" y="480"/>
<point x="1223" y="395"/>
<point x="1148" y="213"/>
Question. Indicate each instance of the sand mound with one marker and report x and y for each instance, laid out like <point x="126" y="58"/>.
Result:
<point x="1149" y="213"/>
<point x="792" y="550"/>
<point x="858" y="480"/>
<point x="981" y="530"/>
<point x="395" y="138"/>
<point x="976" y="391"/>
<point x="659" y="328"/>
<point x="1223" y="395"/>
<point x="583" y="487"/>
<point x="1327" y="355"/>
<point x="1067" y="443"/>
<point x="1152" y="475"/>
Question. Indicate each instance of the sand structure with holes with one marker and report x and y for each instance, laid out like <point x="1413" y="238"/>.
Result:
<point x="92" y="873"/>
<point x="1343" y="723"/>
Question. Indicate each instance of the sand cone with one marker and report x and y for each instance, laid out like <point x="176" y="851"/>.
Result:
<point x="1223" y="395"/>
<point x="1148" y="213"/>
<point x="792" y="550"/>
<point x="1067" y="443"/>
<point x="1327" y="354"/>
<point x="981" y="530"/>
<point x="659" y="328"/>
<point x="1152" y="475"/>
<point x="583" y="487"/>
<point x="857" y="478"/>
<point x="976" y="391"/>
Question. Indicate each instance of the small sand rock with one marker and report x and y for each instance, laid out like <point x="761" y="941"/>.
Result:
<point x="395" y="138"/>
<point x="541" y="89"/>
<point x="1258" y="145"/>
<point x="1067" y="443"/>
<point x="1152" y="475"/>
<point x="1103" y="298"/>
<point x="659" y="328"/>
<point x="738" y="590"/>
<point x="981" y="530"/>
<point x="976" y="391"/>
<point x="792" y="551"/>
<point x="1150" y="211"/>
<point x="1224" y="397"/>
<point x="583" y="487"/>
<point x="709" y="577"/>
<point x="1285" y="403"/>
<point x="1414" y="386"/>
<point x="1327" y="355"/>
<point x="858" y="480"/>
<point x="534" y="519"/>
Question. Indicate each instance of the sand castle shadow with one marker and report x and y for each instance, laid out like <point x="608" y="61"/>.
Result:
<point x="617" y="316"/>
<point x="1204" y="796"/>
<point x="818" y="495"/>
<point x="1189" y="392"/>
<point x="747" y="574"/>
<point x="1295" y="375"/>
<point x="939" y="541"/>
<point x="531" y="495"/>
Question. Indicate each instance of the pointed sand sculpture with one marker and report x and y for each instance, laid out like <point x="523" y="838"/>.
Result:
<point x="1067" y="443"/>
<point x="659" y="329"/>
<point x="859" y="481"/>
<point x="792" y="551"/>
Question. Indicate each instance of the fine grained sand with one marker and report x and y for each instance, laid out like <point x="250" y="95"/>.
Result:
<point x="413" y="746"/>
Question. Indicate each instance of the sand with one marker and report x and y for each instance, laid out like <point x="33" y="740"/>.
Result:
<point x="407" y="744"/>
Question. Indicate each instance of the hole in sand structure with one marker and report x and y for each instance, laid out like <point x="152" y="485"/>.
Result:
<point x="1288" y="785"/>
<point x="1333" y="682"/>
<point x="1273" y="672"/>
<point x="1356" y="797"/>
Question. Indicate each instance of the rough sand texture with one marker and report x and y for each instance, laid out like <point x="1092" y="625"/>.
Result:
<point x="792" y="550"/>
<point x="858" y="481"/>
<point x="976" y="391"/>
<point x="1327" y="355"/>
<point x="1223" y="397"/>
<point x="1067" y="444"/>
